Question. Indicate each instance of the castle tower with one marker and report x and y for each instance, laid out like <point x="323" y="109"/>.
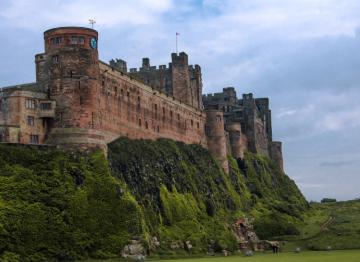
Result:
<point x="236" y="142"/>
<point x="180" y="78"/>
<point x="276" y="154"/>
<point x="196" y="86"/>
<point x="216" y="137"/>
<point x="69" y="70"/>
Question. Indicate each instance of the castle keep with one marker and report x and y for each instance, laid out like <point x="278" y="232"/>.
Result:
<point x="79" y="101"/>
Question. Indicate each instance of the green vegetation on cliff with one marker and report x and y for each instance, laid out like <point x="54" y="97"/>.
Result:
<point x="185" y="195"/>
<point x="61" y="206"/>
<point x="58" y="205"/>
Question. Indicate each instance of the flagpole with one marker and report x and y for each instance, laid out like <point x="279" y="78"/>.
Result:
<point x="177" y="42"/>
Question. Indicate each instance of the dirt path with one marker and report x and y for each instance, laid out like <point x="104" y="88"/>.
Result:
<point x="328" y="222"/>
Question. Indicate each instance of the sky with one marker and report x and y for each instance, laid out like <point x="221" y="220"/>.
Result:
<point x="302" y="54"/>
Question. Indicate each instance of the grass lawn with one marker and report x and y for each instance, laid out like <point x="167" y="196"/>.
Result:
<point x="332" y="256"/>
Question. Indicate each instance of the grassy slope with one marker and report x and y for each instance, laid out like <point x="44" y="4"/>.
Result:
<point x="186" y="196"/>
<point x="56" y="205"/>
<point x="343" y="232"/>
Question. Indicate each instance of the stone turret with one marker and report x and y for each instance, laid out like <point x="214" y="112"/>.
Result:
<point x="276" y="154"/>
<point x="70" y="70"/>
<point x="180" y="77"/>
<point x="216" y="137"/>
<point x="237" y="143"/>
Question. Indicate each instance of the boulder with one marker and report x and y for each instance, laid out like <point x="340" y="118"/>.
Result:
<point x="134" y="250"/>
<point x="297" y="250"/>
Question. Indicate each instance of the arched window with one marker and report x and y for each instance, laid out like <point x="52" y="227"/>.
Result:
<point x="138" y="103"/>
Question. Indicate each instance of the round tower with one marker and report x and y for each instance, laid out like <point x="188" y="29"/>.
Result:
<point x="216" y="138"/>
<point x="237" y="147"/>
<point x="71" y="68"/>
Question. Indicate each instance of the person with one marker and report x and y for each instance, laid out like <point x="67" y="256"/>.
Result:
<point x="275" y="247"/>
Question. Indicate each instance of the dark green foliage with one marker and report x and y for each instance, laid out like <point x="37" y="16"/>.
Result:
<point x="274" y="225"/>
<point x="328" y="200"/>
<point x="58" y="206"/>
<point x="189" y="197"/>
<point x="64" y="206"/>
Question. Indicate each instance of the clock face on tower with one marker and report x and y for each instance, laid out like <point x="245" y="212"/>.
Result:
<point x="93" y="43"/>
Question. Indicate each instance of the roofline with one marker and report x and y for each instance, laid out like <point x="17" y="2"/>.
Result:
<point x="70" y="27"/>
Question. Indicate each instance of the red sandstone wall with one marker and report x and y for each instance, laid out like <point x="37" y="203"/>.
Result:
<point x="126" y="107"/>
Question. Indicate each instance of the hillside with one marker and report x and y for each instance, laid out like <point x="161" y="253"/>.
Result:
<point x="57" y="205"/>
<point x="334" y="225"/>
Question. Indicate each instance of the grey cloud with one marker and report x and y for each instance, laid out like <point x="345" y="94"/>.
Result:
<point x="338" y="163"/>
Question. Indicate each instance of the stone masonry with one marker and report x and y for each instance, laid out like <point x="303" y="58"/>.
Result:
<point x="79" y="101"/>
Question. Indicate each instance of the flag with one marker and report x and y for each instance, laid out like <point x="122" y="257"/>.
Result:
<point x="177" y="33"/>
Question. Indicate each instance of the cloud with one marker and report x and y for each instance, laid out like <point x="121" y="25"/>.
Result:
<point x="338" y="163"/>
<point x="33" y="14"/>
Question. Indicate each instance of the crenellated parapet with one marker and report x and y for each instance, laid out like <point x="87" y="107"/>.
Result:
<point x="79" y="101"/>
<point x="178" y="79"/>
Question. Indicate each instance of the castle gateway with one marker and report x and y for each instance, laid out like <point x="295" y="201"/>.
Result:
<point x="79" y="101"/>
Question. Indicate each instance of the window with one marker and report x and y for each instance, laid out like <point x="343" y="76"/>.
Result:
<point x="45" y="106"/>
<point x="139" y="122"/>
<point x="218" y="119"/>
<point x="1" y="138"/>
<point x="198" y="125"/>
<point x="207" y="130"/>
<point x="56" y="40"/>
<point x="138" y="102"/>
<point x="158" y="129"/>
<point x="55" y="59"/>
<point x="74" y="40"/>
<point x="146" y="125"/>
<point x="81" y="40"/>
<point x="30" y="104"/>
<point x="34" y="139"/>
<point x="72" y="73"/>
<point x="178" y="117"/>
<point x="30" y="120"/>
<point x="192" y="122"/>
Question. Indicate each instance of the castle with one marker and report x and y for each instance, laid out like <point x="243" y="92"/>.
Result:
<point x="79" y="101"/>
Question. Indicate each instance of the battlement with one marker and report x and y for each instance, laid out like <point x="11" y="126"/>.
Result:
<point x="249" y="96"/>
<point x="81" y="102"/>
<point x="147" y="67"/>
<point x="179" y="59"/>
<point x="119" y="64"/>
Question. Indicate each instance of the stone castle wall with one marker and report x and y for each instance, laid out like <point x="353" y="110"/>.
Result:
<point x="82" y="102"/>
<point x="22" y="116"/>
<point x="97" y="103"/>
